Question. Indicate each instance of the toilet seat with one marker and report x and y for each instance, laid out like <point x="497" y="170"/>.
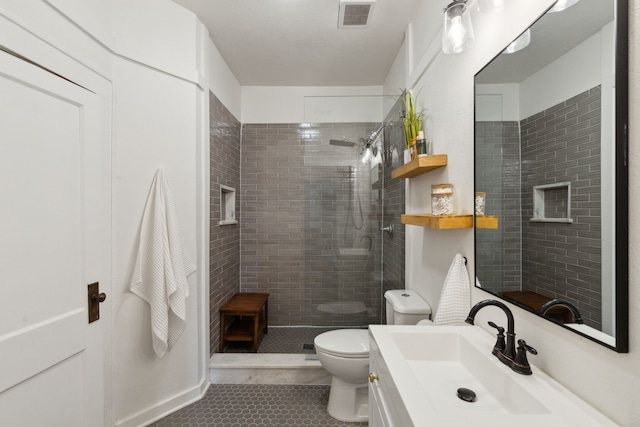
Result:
<point x="347" y="343"/>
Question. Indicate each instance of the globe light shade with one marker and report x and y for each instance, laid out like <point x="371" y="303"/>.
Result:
<point x="519" y="43"/>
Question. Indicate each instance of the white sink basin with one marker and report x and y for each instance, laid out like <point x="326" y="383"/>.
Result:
<point x="428" y="364"/>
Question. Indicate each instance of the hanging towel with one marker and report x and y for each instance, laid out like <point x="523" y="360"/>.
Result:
<point x="454" y="303"/>
<point x="162" y="267"/>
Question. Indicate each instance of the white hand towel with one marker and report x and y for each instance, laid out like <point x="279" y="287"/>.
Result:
<point x="454" y="303"/>
<point x="162" y="267"/>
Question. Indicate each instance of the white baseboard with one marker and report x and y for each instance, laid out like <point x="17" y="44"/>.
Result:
<point x="162" y="409"/>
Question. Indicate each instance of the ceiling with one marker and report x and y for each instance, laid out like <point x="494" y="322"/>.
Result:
<point x="298" y="42"/>
<point x="553" y="35"/>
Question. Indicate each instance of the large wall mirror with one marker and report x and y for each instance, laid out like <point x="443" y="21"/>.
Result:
<point x="550" y="155"/>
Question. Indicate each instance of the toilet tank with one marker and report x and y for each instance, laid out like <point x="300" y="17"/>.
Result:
<point x="405" y="307"/>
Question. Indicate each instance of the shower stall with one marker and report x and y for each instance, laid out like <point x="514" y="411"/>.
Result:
<point x="310" y="213"/>
<point x="313" y="199"/>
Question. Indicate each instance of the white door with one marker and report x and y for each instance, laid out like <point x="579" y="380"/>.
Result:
<point x="52" y="244"/>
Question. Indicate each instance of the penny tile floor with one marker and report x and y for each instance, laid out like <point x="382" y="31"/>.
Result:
<point x="240" y="405"/>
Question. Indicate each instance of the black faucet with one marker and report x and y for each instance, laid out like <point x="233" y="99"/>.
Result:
<point x="577" y="318"/>
<point x="506" y="352"/>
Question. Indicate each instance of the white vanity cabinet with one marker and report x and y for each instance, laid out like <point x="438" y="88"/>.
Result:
<point x="385" y="405"/>
<point x="417" y="372"/>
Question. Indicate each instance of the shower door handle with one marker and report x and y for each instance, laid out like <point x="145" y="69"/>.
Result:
<point x="388" y="229"/>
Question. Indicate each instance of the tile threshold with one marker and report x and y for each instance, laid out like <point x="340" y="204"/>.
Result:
<point x="262" y="361"/>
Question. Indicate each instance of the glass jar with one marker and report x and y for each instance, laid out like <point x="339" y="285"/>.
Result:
<point x="441" y="188"/>
<point x="442" y="203"/>
<point x="480" y="202"/>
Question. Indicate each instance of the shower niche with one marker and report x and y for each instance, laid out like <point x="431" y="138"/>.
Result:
<point x="552" y="203"/>
<point x="227" y="205"/>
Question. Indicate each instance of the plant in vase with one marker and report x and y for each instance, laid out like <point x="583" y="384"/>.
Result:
<point x="411" y="122"/>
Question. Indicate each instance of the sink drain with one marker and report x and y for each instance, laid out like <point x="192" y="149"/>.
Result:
<point x="466" y="394"/>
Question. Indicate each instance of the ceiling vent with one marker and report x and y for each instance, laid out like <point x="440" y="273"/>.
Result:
<point x="355" y="14"/>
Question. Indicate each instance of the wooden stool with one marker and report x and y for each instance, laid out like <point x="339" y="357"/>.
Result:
<point x="249" y="305"/>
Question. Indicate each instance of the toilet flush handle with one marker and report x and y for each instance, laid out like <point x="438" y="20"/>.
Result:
<point x="372" y="377"/>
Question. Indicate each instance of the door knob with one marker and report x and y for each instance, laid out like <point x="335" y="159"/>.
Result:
<point x="99" y="297"/>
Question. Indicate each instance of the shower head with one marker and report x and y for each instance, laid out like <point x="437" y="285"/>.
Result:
<point x="342" y="142"/>
<point x="375" y="133"/>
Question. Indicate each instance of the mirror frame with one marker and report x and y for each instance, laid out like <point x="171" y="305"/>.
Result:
<point x="621" y="188"/>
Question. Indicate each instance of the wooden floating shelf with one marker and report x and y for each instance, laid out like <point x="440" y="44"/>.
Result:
<point x="420" y="165"/>
<point x="486" y="221"/>
<point x="449" y="222"/>
<point x="440" y="222"/>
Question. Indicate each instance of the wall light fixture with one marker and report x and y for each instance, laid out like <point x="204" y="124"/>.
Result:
<point x="458" y="31"/>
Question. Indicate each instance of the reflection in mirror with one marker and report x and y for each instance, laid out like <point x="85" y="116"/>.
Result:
<point x="546" y="126"/>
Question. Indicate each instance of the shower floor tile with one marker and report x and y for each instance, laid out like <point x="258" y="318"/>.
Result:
<point x="282" y="340"/>
<point x="238" y="405"/>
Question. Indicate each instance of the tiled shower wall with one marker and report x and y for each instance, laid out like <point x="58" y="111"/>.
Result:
<point x="558" y="260"/>
<point x="564" y="260"/>
<point x="393" y="249"/>
<point x="498" y="263"/>
<point x="304" y="204"/>
<point x="224" y="241"/>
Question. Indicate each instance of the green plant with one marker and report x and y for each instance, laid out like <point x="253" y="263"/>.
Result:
<point x="412" y="119"/>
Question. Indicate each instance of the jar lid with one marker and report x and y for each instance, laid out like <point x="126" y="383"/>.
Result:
<point x="440" y="185"/>
<point x="480" y="193"/>
<point x="442" y="194"/>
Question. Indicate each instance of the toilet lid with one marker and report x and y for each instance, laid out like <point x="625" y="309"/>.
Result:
<point x="344" y="342"/>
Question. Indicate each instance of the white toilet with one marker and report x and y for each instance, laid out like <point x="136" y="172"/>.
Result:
<point x="344" y="353"/>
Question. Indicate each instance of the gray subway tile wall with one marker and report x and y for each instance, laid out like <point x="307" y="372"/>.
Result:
<point x="498" y="149"/>
<point x="302" y="201"/>
<point x="224" y="246"/>
<point x="562" y="144"/>
<point x="558" y="260"/>
<point x="393" y="247"/>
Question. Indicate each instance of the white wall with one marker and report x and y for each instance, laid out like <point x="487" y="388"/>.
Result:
<point x="395" y="81"/>
<point x="146" y="138"/>
<point x="571" y="74"/>
<point x="153" y="56"/>
<point x="580" y="69"/>
<point x="223" y="83"/>
<point x="605" y="379"/>
<point x="498" y="102"/>
<point x="160" y="121"/>
<point x="286" y="104"/>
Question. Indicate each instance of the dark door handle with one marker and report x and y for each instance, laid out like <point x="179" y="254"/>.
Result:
<point x="99" y="297"/>
<point x="94" y="298"/>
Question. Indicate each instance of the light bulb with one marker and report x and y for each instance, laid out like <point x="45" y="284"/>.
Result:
<point x="456" y="32"/>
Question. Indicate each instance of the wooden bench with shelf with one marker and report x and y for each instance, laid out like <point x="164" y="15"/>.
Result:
<point x="241" y="305"/>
